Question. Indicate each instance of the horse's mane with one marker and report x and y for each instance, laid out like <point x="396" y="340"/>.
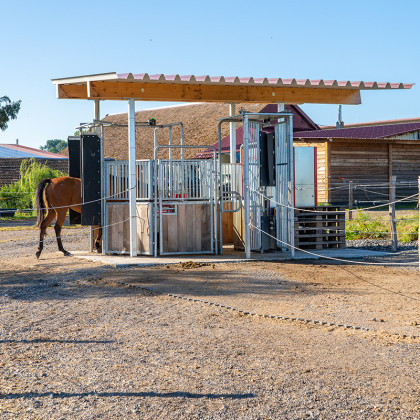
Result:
<point x="39" y="200"/>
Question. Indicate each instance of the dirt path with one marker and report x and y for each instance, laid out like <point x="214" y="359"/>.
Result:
<point x="76" y="343"/>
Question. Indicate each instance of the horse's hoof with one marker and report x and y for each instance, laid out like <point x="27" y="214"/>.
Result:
<point x="37" y="254"/>
<point x="66" y="254"/>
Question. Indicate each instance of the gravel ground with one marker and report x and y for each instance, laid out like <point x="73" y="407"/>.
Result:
<point x="76" y="343"/>
<point x="381" y="245"/>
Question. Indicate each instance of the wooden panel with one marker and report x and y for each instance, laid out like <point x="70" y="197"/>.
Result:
<point x="238" y="229"/>
<point x="206" y="233"/>
<point x="187" y="231"/>
<point x="173" y="236"/>
<point x="182" y="222"/>
<point x="190" y="224"/>
<point x="321" y="229"/>
<point x="227" y="226"/>
<point x="361" y="163"/>
<point x="118" y="233"/>
<point x="72" y="92"/>
<point x="197" y="227"/>
<point x="144" y="232"/>
<point x="406" y="167"/>
<point x="214" y="93"/>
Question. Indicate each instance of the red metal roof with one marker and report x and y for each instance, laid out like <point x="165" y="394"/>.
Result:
<point x="258" y="81"/>
<point x="368" y="132"/>
<point x="370" y="123"/>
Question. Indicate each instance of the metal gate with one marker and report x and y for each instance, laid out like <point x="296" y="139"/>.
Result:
<point x="186" y="196"/>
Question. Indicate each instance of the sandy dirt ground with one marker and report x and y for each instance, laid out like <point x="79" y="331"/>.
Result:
<point x="83" y="340"/>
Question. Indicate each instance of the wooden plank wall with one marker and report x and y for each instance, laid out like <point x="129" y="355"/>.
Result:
<point x="361" y="163"/>
<point x="119" y="233"/>
<point x="187" y="231"/>
<point x="227" y="226"/>
<point x="406" y="167"/>
<point x="239" y="229"/>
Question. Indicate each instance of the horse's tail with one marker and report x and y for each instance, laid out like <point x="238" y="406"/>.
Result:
<point x="39" y="200"/>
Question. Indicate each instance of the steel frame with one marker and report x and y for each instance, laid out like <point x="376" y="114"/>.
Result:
<point x="284" y="175"/>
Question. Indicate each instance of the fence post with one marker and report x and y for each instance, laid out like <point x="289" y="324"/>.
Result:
<point x="392" y="220"/>
<point x="350" y="200"/>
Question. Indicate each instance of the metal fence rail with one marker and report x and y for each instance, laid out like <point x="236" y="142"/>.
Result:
<point x="187" y="179"/>
<point x="116" y="180"/>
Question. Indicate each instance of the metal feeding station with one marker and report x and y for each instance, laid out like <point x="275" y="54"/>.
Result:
<point x="177" y="206"/>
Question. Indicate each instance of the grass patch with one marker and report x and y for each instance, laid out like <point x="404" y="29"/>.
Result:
<point x="364" y="226"/>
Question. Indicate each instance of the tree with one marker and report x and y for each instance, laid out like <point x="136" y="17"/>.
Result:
<point x="54" y="146"/>
<point x="8" y="111"/>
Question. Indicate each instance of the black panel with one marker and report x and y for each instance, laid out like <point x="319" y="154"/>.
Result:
<point x="267" y="166"/>
<point x="91" y="179"/>
<point x="263" y="159"/>
<point x="73" y="144"/>
<point x="271" y="166"/>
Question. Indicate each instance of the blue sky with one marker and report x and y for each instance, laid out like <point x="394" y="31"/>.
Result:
<point x="345" y="40"/>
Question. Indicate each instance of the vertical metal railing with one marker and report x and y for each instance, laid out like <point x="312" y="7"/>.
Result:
<point x="116" y="180"/>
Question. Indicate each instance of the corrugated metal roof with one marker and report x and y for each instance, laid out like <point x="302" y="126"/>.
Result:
<point x="369" y="132"/>
<point x="232" y="80"/>
<point x="260" y="81"/>
<point x="18" y="151"/>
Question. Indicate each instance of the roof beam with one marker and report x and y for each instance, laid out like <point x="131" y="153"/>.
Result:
<point x="72" y="91"/>
<point x="209" y="93"/>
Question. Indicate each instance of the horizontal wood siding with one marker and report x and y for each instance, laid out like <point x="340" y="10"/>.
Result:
<point x="360" y="163"/>
<point x="406" y="167"/>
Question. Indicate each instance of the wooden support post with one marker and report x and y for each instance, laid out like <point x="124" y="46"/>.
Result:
<point x="350" y="200"/>
<point x="392" y="220"/>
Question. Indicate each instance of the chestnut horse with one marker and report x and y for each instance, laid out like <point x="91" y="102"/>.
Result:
<point x="53" y="198"/>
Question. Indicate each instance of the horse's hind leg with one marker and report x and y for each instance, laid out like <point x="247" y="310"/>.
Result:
<point x="43" y="230"/>
<point x="61" y="216"/>
<point x="98" y="238"/>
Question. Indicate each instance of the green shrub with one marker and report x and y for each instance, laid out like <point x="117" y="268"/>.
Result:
<point x="21" y="194"/>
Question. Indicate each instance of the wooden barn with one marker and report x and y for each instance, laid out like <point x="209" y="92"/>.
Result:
<point x="12" y="155"/>
<point x="368" y="156"/>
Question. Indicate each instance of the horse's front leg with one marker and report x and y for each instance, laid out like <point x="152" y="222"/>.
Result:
<point x="61" y="217"/>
